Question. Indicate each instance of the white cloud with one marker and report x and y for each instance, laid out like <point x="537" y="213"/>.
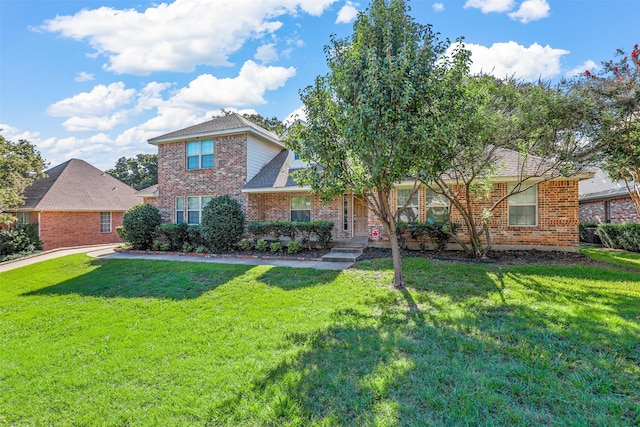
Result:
<point x="266" y="53"/>
<point x="177" y="36"/>
<point x="84" y="77"/>
<point x="247" y="88"/>
<point x="580" y="69"/>
<point x="102" y="99"/>
<point x="531" y="10"/>
<point x="297" y="114"/>
<point x="512" y="59"/>
<point x="347" y="13"/>
<point x="488" y="6"/>
<point x="94" y="123"/>
<point x="438" y="7"/>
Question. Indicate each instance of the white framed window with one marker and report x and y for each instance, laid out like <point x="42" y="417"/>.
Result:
<point x="23" y="217"/>
<point x="195" y="205"/>
<point x="179" y="210"/>
<point x="523" y="207"/>
<point x="105" y="222"/>
<point x="412" y="212"/>
<point x="200" y="154"/>
<point x="301" y="208"/>
<point x="437" y="207"/>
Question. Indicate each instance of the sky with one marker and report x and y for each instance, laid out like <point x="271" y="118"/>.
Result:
<point x="95" y="79"/>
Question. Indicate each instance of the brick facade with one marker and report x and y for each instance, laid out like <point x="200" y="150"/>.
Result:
<point x="228" y="175"/>
<point x="67" y="229"/>
<point x="620" y="210"/>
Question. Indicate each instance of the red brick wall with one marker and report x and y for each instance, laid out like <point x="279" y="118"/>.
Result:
<point x="228" y="175"/>
<point x="621" y="210"/>
<point x="66" y="229"/>
<point x="277" y="206"/>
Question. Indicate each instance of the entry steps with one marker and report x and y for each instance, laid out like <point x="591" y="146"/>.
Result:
<point x="343" y="253"/>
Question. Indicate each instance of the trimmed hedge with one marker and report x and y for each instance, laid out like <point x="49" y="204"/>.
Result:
<point x="620" y="236"/>
<point x="23" y="239"/>
<point x="140" y="224"/>
<point x="222" y="223"/>
<point x="176" y="234"/>
<point x="438" y="232"/>
<point x="320" y="229"/>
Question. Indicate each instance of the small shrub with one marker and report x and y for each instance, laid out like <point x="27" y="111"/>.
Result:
<point x="610" y="235"/>
<point x="187" y="247"/>
<point x="293" y="247"/>
<point x="222" y="223"/>
<point x="121" y="233"/>
<point x="202" y="250"/>
<point x="195" y="238"/>
<point x="276" y="247"/>
<point x="176" y="234"/>
<point x="23" y="239"/>
<point x="156" y="245"/>
<point x="630" y="237"/>
<point x="140" y="224"/>
<point x="261" y="245"/>
<point x="322" y="230"/>
<point x="246" y="244"/>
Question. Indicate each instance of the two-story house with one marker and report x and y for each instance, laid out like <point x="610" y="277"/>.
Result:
<point x="231" y="155"/>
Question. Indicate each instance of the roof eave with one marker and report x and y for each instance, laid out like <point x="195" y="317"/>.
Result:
<point x="247" y="129"/>
<point x="275" y="189"/>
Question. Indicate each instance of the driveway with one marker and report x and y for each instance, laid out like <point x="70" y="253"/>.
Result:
<point x="106" y="251"/>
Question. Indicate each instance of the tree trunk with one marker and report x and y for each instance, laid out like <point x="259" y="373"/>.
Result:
<point x="398" y="277"/>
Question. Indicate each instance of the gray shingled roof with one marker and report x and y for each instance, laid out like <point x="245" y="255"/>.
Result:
<point x="218" y="125"/>
<point x="75" y="185"/>
<point x="275" y="175"/>
<point x="151" y="191"/>
<point x="612" y="193"/>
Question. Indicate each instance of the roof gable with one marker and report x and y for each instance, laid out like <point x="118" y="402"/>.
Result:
<point x="75" y="185"/>
<point x="223" y="125"/>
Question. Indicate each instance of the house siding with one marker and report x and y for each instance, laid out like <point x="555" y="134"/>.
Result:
<point x="259" y="153"/>
<point x="67" y="229"/>
<point x="621" y="210"/>
<point x="228" y="175"/>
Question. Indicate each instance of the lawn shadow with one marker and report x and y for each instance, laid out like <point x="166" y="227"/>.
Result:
<point x="118" y="278"/>
<point x="290" y="279"/>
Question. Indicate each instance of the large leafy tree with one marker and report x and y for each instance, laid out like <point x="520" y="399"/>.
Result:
<point x="20" y="165"/>
<point x="138" y="172"/>
<point x="536" y="127"/>
<point x="384" y="113"/>
<point x="615" y="93"/>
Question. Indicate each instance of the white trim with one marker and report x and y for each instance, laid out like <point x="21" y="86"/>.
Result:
<point x="226" y="132"/>
<point x="276" y="190"/>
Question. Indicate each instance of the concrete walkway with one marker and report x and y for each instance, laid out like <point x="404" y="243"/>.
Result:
<point x="106" y="251"/>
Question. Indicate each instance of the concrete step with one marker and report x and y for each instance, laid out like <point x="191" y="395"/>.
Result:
<point x="341" y="256"/>
<point x="350" y="249"/>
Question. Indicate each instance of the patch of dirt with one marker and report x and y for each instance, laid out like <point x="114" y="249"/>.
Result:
<point x="504" y="257"/>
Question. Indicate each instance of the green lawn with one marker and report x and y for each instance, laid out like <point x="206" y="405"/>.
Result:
<point x="137" y="342"/>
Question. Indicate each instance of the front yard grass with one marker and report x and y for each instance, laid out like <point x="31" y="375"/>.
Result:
<point x="140" y="342"/>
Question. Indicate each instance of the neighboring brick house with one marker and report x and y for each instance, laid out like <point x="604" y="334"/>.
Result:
<point x="231" y="155"/>
<point x="602" y="200"/>
<point x="76" y="204"/>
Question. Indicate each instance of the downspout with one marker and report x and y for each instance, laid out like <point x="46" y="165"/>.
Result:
<point x="39" y="222"/>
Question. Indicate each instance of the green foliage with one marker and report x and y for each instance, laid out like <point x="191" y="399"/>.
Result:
<point x="614" y="126"/>
<point x="293" y="247"/>
<point x="246" y="244"/>
<point x="121" y="233"/>
<point x="20" y="166"/>
<point x="176" y="234"/>
<point x="620" y="236"/>
<point x="138" y="172"/>
<point x="187" y="247"/>
<point x="222" y="223"/>
<point x="320" y="229"/>
<point x="202" y="250"/>
<point x="22" y="239"/>
<point x="586" y="230"/>
<point x="140" y="225"/>
<point x="438" y="232"/>
<point x="261" y="245"/>
<point x="275" y="247"/>
<point x="387" y="109"/>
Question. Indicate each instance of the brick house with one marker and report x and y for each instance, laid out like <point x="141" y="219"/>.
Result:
<point x="231" y="155"/>
<point x="602" y="200"/>
<point x="76" y="204"/>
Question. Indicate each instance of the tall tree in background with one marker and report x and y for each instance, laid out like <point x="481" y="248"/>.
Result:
<point x="138" y="172"/>
<point x="385" y="112"/>
<point x="20" y="166"/>
<point x="273" y="124"/>
<point x="534" y="127"/>
<point x="615" y="93"/>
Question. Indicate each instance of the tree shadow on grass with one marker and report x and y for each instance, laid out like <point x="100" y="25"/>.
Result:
<point x="116" y="278"/>
<point x="290" y="279"/>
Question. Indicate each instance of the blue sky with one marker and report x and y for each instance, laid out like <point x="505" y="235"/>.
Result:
<point x="95" y="80"/>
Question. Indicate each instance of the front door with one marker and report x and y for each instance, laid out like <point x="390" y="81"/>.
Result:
<point x="360" y="218"/>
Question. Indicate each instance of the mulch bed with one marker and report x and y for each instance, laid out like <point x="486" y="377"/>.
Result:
<point x="505" y="257"/>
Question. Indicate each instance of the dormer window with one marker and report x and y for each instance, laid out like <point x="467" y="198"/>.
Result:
<point x="200" y="154"/>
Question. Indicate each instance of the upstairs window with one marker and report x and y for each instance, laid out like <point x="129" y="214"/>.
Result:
<point x="437" y="207"/>
<point x="301" y="208"/>
<point x="523" y="207"/>
<point x="200" y="154"/>
<point x="411" y="213"/>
